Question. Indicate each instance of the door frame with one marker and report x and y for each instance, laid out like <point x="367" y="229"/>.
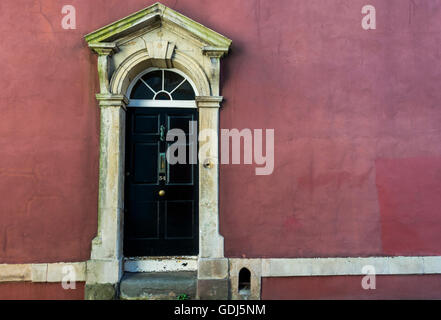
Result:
<point x="111" y="189"/>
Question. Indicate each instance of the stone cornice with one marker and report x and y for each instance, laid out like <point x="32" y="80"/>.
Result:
<point x="151" y="15"/>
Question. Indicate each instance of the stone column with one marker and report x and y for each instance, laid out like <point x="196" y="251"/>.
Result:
<point x="212" y="266"/>
<point x="104" y="269"/>
<point x="104" y="50"/>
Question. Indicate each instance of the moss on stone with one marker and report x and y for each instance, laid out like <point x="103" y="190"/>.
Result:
<point x="198" y="30"/>
<point x="100" y="291"/>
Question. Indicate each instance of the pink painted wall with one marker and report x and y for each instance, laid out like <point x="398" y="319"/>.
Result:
<point x="40" y="291"/>
<point x="401" y="287"/>
<point x="356" y="116"/>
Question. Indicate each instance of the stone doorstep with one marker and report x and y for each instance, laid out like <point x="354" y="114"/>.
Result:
<point x="158" y="285"/>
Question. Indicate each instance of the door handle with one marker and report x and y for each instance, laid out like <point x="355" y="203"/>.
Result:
<point x="161" y="193"/>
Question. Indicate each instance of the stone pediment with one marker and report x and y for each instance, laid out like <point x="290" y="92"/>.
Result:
<point x="157" y="37"/>
<point x="155" y="16"/>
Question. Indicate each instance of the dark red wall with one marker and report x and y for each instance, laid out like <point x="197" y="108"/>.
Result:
<point x="346" y="105"/>
<point x="356" y="116"/>
<point x="49" y="135"/>
<point x="349" y="287"/>
<point x="40" y="291"/>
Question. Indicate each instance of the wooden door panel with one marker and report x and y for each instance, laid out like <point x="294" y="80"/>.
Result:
<point x="147" y="124"/>
<point x="179" y="215"/>
<point x="144" y="222"/>
<point x="146" y="153"/>
<point x="154" y="224"/>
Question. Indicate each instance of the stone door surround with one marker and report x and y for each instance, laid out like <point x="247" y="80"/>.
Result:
<point x="154" y="37"/>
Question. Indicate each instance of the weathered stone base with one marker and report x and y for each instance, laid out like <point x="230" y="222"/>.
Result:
<point x="213" y="289"/>
<point x="101" y="291"/>
<point x="158" y="285"/>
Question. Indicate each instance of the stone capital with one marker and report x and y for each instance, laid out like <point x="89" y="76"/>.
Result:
<point x="208" y="101"/>
<point x="104" y="48"/>
<point x="214" y="52"/>
<point x="112" y="100"/>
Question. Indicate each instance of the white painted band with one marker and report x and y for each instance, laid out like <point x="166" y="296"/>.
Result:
<point x="278" y="267"/>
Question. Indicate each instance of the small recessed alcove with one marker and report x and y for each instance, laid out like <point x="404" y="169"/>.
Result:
<point x="244" y="285"/>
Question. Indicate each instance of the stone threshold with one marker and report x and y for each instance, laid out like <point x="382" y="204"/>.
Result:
<point x="161" y="264"/>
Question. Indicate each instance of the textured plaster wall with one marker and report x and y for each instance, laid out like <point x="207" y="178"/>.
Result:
<point x="356" y="116"/>
<point x="349" y="287"/>
<point x="40" y="291"/>
<point x="48" y="136"/>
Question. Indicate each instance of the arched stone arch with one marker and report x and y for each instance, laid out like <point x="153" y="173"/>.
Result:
<point x="141" y="60"/>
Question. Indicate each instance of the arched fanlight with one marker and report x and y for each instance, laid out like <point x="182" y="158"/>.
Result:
<point x="162" y="85"/>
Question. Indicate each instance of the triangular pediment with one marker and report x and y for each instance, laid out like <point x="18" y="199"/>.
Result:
<point x="157" y="15"/>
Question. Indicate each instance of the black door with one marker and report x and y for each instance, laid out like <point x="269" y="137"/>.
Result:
<point x="161" y="200"/>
